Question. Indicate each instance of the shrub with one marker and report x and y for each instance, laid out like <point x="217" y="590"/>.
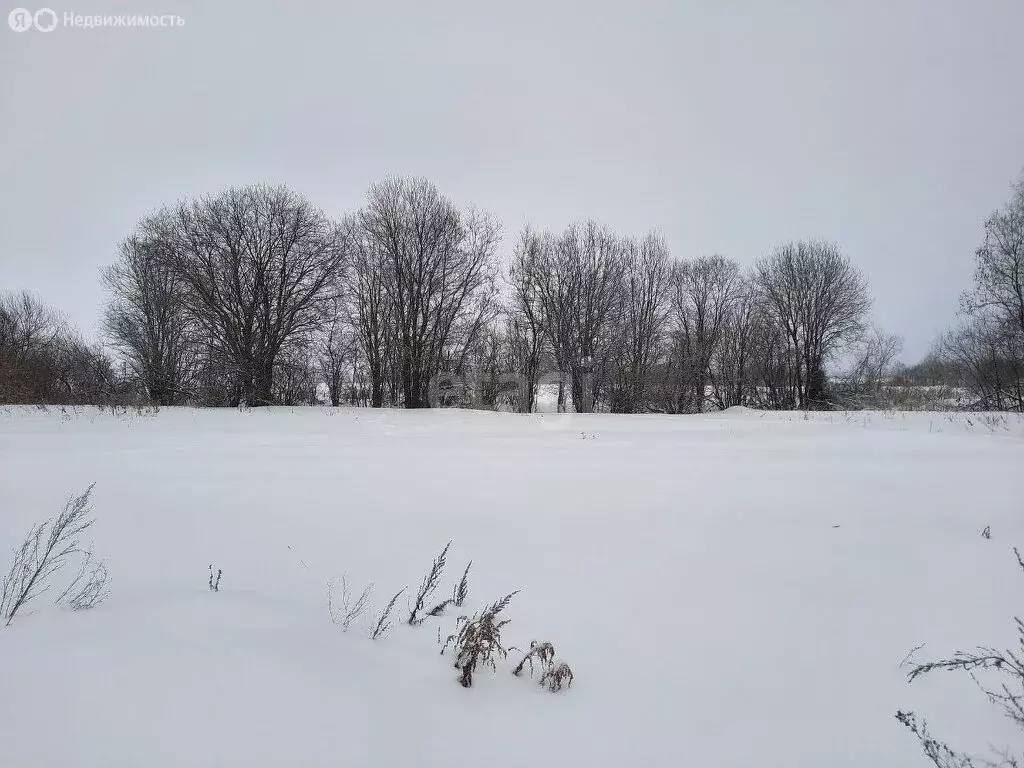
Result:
<point x="348" y="609"/>
<point x="478" y="640"/>
<point x="89" y="588"/>
<point x="48" y="547"/>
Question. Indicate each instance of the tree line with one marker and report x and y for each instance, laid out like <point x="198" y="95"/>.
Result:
<point x="255" y="296"/>
<point x="983" y="356"/>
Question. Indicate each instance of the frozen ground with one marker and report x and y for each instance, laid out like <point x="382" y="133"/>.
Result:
<point x="735" y="589"/>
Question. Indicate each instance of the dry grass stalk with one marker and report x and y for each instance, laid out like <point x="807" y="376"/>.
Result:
<point x="461" y="591"/>
<point x="384" y="622"/>
<point x="89" y="587"/>
<point x="478" y="640"/>
<point x="428" y="586"/>
<point x="214" y="581"/>
<point x="544" y="653"/>
<point x="999" y="673"/>
<point x="555" y="675"/>
<point x="349" y="610"/>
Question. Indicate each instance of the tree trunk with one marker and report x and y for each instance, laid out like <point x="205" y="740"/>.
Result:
<point x="263" y="385"/>
<point x="409" y="393"/>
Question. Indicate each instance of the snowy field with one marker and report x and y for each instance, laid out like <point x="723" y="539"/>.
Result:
<point x="734" y="589"/>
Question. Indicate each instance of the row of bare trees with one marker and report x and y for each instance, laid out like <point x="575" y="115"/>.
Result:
<point x="43" y="360"/>
<point x="635" y="330"/>
<point x="255" y="296"/>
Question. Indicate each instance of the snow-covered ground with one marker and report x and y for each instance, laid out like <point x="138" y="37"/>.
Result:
<point x="733" y="589"/>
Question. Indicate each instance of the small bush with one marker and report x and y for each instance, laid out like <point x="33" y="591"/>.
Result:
<point x="48" y="547"/>
<point x="347" y="610"/>
<point x="90" y="587"/>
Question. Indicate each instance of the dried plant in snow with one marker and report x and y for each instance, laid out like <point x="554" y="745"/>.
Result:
<point x="557" y="674"/>
<point x="428" y="586"/>
<point x="461" y="591"/>
<point x="437" y="610"/>
<point x="999" y="673"/>
<point x="478" y="640"/>
<point x="544" y="653"/>
<point x="89" y="587"/>
<point x="348" y="610"/>
<point x="384" y="622"/>
<point x="987" y="532"/>
<point x="46" y="550"/>
<point x="214" y="581"/>
<point x="940" y="755"/>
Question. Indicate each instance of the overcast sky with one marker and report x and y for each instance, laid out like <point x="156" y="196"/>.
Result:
<point x="892" y="127"/>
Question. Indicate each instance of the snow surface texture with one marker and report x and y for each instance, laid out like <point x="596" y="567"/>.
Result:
<point x="688" y="568"/>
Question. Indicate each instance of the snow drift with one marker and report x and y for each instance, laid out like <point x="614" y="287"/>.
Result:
<point x="733" y="589"/>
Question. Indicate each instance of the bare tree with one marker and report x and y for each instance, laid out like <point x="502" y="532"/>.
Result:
<point x="29" y="334"/>
<point x="986" y="358"/>
<point x="872" y="363"/>
<point x="436" y="265"/>
<point x="335" y="352"/>
<point x="83" y="373"/>
<point x="145" y="318"/>
<point x="999" y="266"/>
<point x="486" y="366"/>
<point x="524" y="318"/>
<point x="734" y="358"/>
<point x="703" y="294"/>
<point x="578" y="275"/>
<point x="987" y="351"/>
<point x="373" y="314"/>
<point x="296" y="376"/>
<point x="261" y="265"/>
<point x="820" y="300"/>
<point x="646" y="275"/>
